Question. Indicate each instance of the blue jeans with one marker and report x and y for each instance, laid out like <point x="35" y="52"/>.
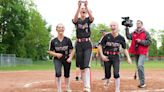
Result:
<point x="140" y="59"/>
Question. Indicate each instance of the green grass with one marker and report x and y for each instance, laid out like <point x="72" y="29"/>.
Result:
<point x="48" y="65"/>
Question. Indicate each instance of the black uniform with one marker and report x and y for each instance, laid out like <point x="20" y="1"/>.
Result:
<point x="83" y="44"/>
<point x="64" y="48"/>
<point x="112" y="49"/>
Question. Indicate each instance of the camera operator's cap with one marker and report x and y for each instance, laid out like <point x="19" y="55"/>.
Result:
<point x="102" y="31"/>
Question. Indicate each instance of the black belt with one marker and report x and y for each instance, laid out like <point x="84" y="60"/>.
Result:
<point x="83" y="39"/>
<point x="111" y="53"/>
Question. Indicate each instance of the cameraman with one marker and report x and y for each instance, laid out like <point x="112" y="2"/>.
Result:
<point x="139" y="47"/>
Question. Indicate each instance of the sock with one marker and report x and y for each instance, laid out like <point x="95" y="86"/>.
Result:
<point x="87" y="78"/>
<point x="58" y="83"/>
<point x="67" y="83"/>
<point x="117" y="84"/>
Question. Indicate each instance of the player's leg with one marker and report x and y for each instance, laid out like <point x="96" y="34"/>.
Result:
<point x="116" y="68"/>
<point x="58" y="67"/>
<point x="87" y="59"/>
<point x="107" y="67"/>
<point x="67" y="67"/>
<point x="77" y="70"/>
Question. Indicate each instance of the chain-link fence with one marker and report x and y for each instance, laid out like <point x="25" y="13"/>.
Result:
<point x="12" y="60"/>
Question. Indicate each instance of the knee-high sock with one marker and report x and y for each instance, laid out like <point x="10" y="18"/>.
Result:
<point x="117" y="84"/>
<point x="82" y="75"/>
<point x="67" y="83"/>
<point x="87" y="78"/>
<point x="58" y="83"/>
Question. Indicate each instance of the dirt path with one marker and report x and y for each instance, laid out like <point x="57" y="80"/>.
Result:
<point x="43" y="81"/>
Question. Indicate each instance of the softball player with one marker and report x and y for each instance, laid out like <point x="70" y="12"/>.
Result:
<point x="83" y="45"/>
<point x="110" y="54"/>
<point x="62" y="50"/>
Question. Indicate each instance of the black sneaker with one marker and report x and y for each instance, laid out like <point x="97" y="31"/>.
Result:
<point x="142" y="86"/>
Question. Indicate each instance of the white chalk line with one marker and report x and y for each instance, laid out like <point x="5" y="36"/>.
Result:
<point x="27" y="85"/>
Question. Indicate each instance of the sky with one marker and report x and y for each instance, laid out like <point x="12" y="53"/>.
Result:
<point x="104" y="11"/>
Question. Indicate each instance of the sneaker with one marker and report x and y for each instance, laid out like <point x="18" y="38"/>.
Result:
<point x="106" y="83"/>
<point x="86" y="89"/>
<point x="142" y="86"/>
<point x="103" y="78"/>
<point x="68" y="90"/>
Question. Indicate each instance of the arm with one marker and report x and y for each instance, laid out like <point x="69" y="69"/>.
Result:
<point x="147" y="41"/>
<point x="71" y="56"/>
<point x="77" y="13"/>
<point x="127" y="55"/>
<point x="128" y="35"/>
<point x="89" y="12"/>
<point x="104" y="58"/>
<point x="53" y="53"/>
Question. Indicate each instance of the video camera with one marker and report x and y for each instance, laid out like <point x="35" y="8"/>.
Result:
<point x="127" y="22"/>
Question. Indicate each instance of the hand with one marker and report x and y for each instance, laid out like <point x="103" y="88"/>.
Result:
<point x="79" y="3"/>
<point x="59" y="55"/>
<point x="104" y="58"/>
<point x="138" y="40"/>
<point x="86" y="3"/>
<point x="129" y="61"/>
<point x="69" y="60"/>
<point x="97" y="55"/>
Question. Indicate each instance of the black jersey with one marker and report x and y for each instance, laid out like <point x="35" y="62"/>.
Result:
<point x="83" y="28"/>
<point x="62" y="47"/>
<point x="112" y="44"/>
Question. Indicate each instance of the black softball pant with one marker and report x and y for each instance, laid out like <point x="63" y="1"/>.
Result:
<point x="58" y="68"/>
<point x="114" y="61"/>
<point x="83" y="54"/>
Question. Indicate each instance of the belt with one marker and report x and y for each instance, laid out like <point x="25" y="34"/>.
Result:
<point x="111" y="53"/>
<point x="83" y="39"/>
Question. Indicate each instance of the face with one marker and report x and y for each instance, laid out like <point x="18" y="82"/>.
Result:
<point x="83" y="12"/>
<point x="114" y="26"/>
<point x="60" y="28"/>
<point x="139" y="24"/>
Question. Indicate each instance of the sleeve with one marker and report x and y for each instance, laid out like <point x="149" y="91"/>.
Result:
<point x="89" y="21"/>
<point x="52" y="46"/>
<point x="123" y="43"/>
<point x="128" y="35"/>
<point x="70" y="46"/>
<point x="103" y="41"/>
<point x="147" y="41"/>
<point x="75" y="23"/>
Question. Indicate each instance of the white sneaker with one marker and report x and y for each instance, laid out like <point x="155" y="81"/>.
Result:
<point x="86" y="89"/>
<point x="117" y="90"/>
<point x="68" y="90"/>
<point x="142" y="86"/>
<point x="106" y="83"/>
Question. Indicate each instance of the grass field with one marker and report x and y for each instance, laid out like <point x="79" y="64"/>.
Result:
<point x="48" y="65"/>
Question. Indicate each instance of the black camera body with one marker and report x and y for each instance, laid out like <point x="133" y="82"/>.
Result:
<point x="127" y="22"/>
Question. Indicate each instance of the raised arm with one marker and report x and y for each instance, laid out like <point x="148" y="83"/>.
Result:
<point x="128" y="35"/>
<point x="91" y="18"/>
<point x="77" y="13"/>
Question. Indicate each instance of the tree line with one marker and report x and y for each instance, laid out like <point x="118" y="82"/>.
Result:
<point x="25" y="33"/>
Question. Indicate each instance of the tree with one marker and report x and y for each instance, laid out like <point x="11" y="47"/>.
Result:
<point x="37" y="37"/>
<point x="161" y="48"/>
<point x="153" y="48"/>
<point x="23" y="29"/>
<point x="96" y="35"/>
<point x="13" y="24"/>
